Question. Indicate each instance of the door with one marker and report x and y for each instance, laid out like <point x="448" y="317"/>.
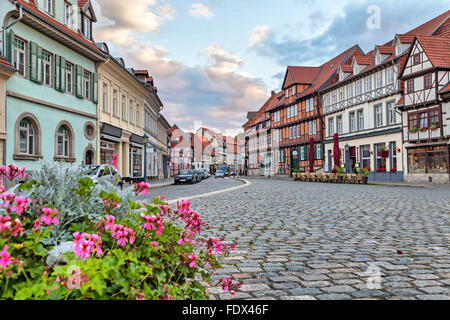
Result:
<point x="295" y="161"/>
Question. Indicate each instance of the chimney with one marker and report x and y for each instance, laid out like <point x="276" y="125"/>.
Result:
<point x="273" y="93"/>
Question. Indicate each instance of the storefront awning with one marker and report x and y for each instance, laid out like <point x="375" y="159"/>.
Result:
<point x="137" y="141"/>
<point x="110" y="132"/>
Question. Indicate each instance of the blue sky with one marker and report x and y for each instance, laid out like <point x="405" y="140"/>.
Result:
<point x="214" y="60"/>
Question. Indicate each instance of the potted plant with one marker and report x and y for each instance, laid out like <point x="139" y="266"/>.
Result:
<point x="423" y="129"/>
<point x="339" y="172"/>
<point x="365" y="174"/>
<point x="413" y="130"/>
<point x="433" y="127"/>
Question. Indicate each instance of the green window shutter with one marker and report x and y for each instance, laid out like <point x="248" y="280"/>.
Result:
<point x="306" y="153"/>
<point x="322" y="151"/>
<point x="40" y="69"/>
<point x="9" y="46"/>
<point x="79" y="81"/>
<point x="34" y="62"/>
<point x="63" y="75"/>
<point x="95" y="88"/>
<point x="57" y="72"/>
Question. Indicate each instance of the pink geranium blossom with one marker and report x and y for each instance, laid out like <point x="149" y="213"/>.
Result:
<point x="110" y="223"/>
<point x="114" y="161"/>
<point x="21" y="204"/>
<point x="142" y="188"/>
<point x="50" y="216"/>
<point x="5" y="257"/>
<point x="86" y="244"/>
<point x="193" y="258"/>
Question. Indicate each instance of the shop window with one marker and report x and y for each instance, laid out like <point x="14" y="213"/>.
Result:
<point x="382" y="155"/>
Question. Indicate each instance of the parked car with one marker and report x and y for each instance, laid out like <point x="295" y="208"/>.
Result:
<point x="198" y="176"/>
<point x="220" y="174"/>
<point x="205" y="174"/>
<point x="105" y="173"/>
<point x="185" y="176"/>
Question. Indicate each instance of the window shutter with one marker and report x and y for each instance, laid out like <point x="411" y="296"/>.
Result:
<point x="57" y="72"/>
<point x="63" y="74"/>
<point x="322" y="151"/>
<point x="79" y="81"/>
<point x="34" y="62"/>
<point x="95" y="89"/>
<point x="316" y="154"/>
<point x="39" y="69"/>
<point x="9" y="46"/>
<point x="306" y="153"/>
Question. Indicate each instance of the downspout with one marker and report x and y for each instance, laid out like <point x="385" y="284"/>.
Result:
<point x="4" y="29"/>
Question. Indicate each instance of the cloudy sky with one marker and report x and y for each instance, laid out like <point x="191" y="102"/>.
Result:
<point x="215" y="60"/>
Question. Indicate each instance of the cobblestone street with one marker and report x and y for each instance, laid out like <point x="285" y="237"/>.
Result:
<point x="324" y="241"/>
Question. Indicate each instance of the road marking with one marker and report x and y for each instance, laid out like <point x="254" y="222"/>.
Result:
<point x="245" y="185"/>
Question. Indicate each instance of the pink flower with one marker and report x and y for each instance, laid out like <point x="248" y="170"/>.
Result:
<point x="17" y="228"/>
<point x="50" y="216"/>
<point x="83" y="249"/>
<point x="154" y="244"/>
<point x="110" y="223"/>
<point x="21" y="205"/>
<point x="193" y="263"/>
<point x="5" y="257"/>
<point x="142" y="188"/>
<point x="5" y="223"/>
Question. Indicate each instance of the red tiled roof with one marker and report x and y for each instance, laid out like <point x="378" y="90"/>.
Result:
<point x="31" y="6"/>
<point x="437" y="49"/>
<point x="304" y="75"/>
<point x="5" y="64"/>
<point x="405" y="38"/>
<point x="445" y="89"/>
<point x="385" y="49"/>
<point x="346" y="68"/>
<point x="277" y="102"/>
<point x="364" y="60"/>
<point x="431" y="26"/>
<point x="260" y="116"/>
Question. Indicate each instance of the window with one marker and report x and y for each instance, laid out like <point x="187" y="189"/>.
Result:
<point x="398" y="50"/>
<point x="356" y="69"/>
<point x="379" y="80"/>
<point x="389" y="76"/>
<point x="48" y="6"/>
<point x="115" y="97"/>
<point x="416" y="59"/>
<point x="130" y="114"/>
<point x="124" y="107"/>
<point x="339" y="124"/>
<point x="360" y="120"/>
<point x="327" y="100"/>
<point x="350" y="91"/>
<point x="137" y="115"/>
<point x="369" y="84"/>
<point x="86" y="27"/>
<point x="46" y="69"/>
<point x="393" y="151"/>
<point x="287" y="93"/>
<point x="381" y="156"/>
<point x="352" y="122"/>
<point x="334" y="97"/>
<point x="27" y="137"/>
<point x="288" y="113"/>
<point x="378" y="59"/>
<point x="19" y="56"/>
<point x="87" y="85"/>
<point x="428" y="81"/>
<point x="434" y="118"/>
<point x="105" y="97"/>
<point x="63" y="142"/>
<point x="412" y="121"/>
<point x="358" y="87"/>
<point x="68" y="14"/>
<point x="331" y="127"/>
<point x="365" y="156"/>
<point x="290" y="133"/>
<point x="423" y="116"/>
<point x="341" y="94"/>
<point x="294" y="90"/>
<point x="428" y="160"/>
<point x="378" y="116"/>
<point x="69" y="78"/>
<point x="391" y="112"/>
<point x="410" y="86"/>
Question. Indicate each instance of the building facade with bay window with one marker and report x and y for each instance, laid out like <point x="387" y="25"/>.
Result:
<point x="121" y="116"/>
<point x="426" y="109"/>
<point x="51" y="100"/>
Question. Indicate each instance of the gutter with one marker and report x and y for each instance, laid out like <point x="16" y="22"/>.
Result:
<point x="4" y="29"/>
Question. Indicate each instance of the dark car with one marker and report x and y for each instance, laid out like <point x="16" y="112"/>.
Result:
<point x="185" y="176"/>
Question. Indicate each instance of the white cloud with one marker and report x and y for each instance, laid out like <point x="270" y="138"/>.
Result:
<point x="199" y="10"/>
<point x="258" y="35"/>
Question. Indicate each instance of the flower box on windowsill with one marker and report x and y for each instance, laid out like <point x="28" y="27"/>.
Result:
<point x="394" y="170"/>
<point x="413" y="130"/>
<point x="433" y="128"/>
<point x="423" y="129"/>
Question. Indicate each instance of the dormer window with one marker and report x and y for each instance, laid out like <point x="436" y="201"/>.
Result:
<point x="48" y="6"/>
<point x="378" y="59"/>
<point x="356" y="69"/>
<point x="86" y="27"/>
<point x="341" y="76"/>
<point x="68" y="14"/>
<point x="398" y="50"/>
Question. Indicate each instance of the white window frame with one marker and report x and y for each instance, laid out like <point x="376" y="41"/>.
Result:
<point x="69" y="67"/>
<point x="115" y="100"/>
<point x="68" y="14"/>
<point x="339" y="126"/>
<point x="30" y="133"/>
<point x="87" y="27"/>
<point x="48" y="7"/>
<point x="87" y="80"/>
<point x="360" y="119"/>
<point x="65" y="140"/>
<point x="105" y="89"/>
<point x="20" y="54"/>
<point x="47" y="66"/>
<point x="378" y="116"/>
<point x="124" y="107"/>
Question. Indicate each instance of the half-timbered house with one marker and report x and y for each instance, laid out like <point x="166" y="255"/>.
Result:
<point x="426" y="109"/>
<point x="299" y="118"/>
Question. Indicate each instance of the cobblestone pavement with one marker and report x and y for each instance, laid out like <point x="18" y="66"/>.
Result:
<point x="325" y="241"/>
<point x="212" y="184"/>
